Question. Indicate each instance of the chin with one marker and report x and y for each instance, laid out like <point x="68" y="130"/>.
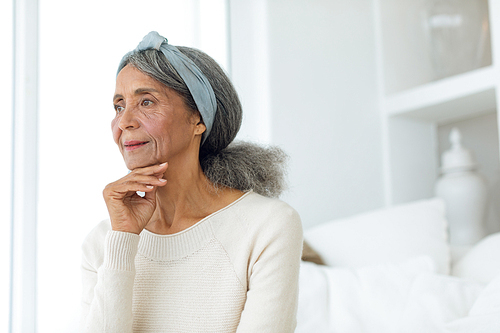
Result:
<point x="132" y="165"/>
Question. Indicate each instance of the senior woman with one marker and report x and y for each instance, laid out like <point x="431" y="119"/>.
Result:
<point x="206" y="248"/>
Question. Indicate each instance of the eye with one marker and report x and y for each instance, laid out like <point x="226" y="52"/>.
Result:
<point x="147" y="102"/>
<point x="119" y="108"/>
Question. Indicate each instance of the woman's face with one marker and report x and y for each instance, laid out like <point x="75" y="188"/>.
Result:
<point x="152" y="123"/>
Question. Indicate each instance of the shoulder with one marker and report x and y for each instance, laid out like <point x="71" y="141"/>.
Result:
<point x="258" y="229"/>
<point x="274" y="217"/>
<point x="93" y="244"/>
<point x="255" y="200"/>
<point x="255" y="211"/>
<point x="255" y="217"/>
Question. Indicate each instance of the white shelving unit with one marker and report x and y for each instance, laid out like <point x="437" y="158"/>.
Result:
<point x="413" y="105"/>
<point x="449" y="99"/>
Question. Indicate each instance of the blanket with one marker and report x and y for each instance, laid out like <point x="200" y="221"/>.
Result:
<point x="406" y="297"/>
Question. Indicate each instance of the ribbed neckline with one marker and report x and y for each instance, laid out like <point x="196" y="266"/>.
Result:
<point x="181" y="244"/>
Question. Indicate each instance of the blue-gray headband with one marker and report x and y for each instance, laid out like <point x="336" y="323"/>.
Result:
<point x="195" y="80"/>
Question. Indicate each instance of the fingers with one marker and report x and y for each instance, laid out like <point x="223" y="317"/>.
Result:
<point x="121" y="190"/>
<point x="158" y="169"/>
<point x="143" y="180"/>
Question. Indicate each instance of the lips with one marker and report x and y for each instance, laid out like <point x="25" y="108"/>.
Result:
<point x="134" y="144"/>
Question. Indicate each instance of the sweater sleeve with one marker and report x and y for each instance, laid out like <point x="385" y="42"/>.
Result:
<point x="273" y="273"/>
<point x="108" y="281"/>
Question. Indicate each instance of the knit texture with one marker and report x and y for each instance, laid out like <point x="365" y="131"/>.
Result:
<point x="234" y="271"/>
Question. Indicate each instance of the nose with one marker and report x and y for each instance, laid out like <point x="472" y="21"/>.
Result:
<point x="128" y="119"/>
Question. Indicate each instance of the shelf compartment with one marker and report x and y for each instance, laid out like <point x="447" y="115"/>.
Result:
<point x="458" y="97"/>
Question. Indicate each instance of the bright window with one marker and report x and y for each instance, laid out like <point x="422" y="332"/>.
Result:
<point x="81" y="44"/>
<point x="6" y="159"/>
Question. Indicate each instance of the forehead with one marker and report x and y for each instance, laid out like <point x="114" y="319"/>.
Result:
<point x="130" y="79"/>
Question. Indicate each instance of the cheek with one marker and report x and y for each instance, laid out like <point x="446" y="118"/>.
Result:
<point x="156" y="130"/>
<point x="116" y="130"/>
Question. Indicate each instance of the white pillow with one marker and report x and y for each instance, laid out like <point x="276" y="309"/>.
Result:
<point x="389" y="235"/>
<point x="482" y="262"/>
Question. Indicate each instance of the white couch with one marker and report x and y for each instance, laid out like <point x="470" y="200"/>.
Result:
<point x="391" y="270"/>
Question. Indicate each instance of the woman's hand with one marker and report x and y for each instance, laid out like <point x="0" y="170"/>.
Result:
<point x="128" y="211"/>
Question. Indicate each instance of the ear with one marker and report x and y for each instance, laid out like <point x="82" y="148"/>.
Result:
<point x="200" y="128"/>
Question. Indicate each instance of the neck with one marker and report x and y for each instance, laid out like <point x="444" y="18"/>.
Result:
<point x="187" y="198"/>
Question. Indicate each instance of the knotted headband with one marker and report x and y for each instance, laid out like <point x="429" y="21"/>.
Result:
<point x="195" y="80"/>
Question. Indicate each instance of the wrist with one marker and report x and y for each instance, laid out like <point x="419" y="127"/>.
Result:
<point x="127" y="230"/>
<point x="120" y="250"/>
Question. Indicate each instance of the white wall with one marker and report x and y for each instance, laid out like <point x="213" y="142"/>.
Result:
<point x="317" y="59"/>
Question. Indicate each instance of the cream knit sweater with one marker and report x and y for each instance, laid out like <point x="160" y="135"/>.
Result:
<point x="234" y="271"/>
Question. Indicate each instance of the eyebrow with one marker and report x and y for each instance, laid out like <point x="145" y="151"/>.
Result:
<point x="138" y="91"/>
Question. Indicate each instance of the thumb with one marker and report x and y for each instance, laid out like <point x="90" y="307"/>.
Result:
<point x="151" y="195"/>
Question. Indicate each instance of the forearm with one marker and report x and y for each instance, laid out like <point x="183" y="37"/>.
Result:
<point x="108" y="307"/>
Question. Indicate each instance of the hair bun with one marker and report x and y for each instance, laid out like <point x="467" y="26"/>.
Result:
<point x="247" y="166"/>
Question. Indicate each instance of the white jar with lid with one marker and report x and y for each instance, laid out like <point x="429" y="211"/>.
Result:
<point x="464" y="192"/>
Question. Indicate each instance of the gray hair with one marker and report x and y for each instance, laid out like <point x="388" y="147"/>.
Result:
<point x="243" y="165"/>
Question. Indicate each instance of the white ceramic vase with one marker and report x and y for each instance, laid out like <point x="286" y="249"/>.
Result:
<point x="464" y="192"/>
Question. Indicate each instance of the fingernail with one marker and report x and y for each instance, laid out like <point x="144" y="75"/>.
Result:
<point x="163" y="164"/>
<point x="162" y="180"/>
<point x="149" y="186"/>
